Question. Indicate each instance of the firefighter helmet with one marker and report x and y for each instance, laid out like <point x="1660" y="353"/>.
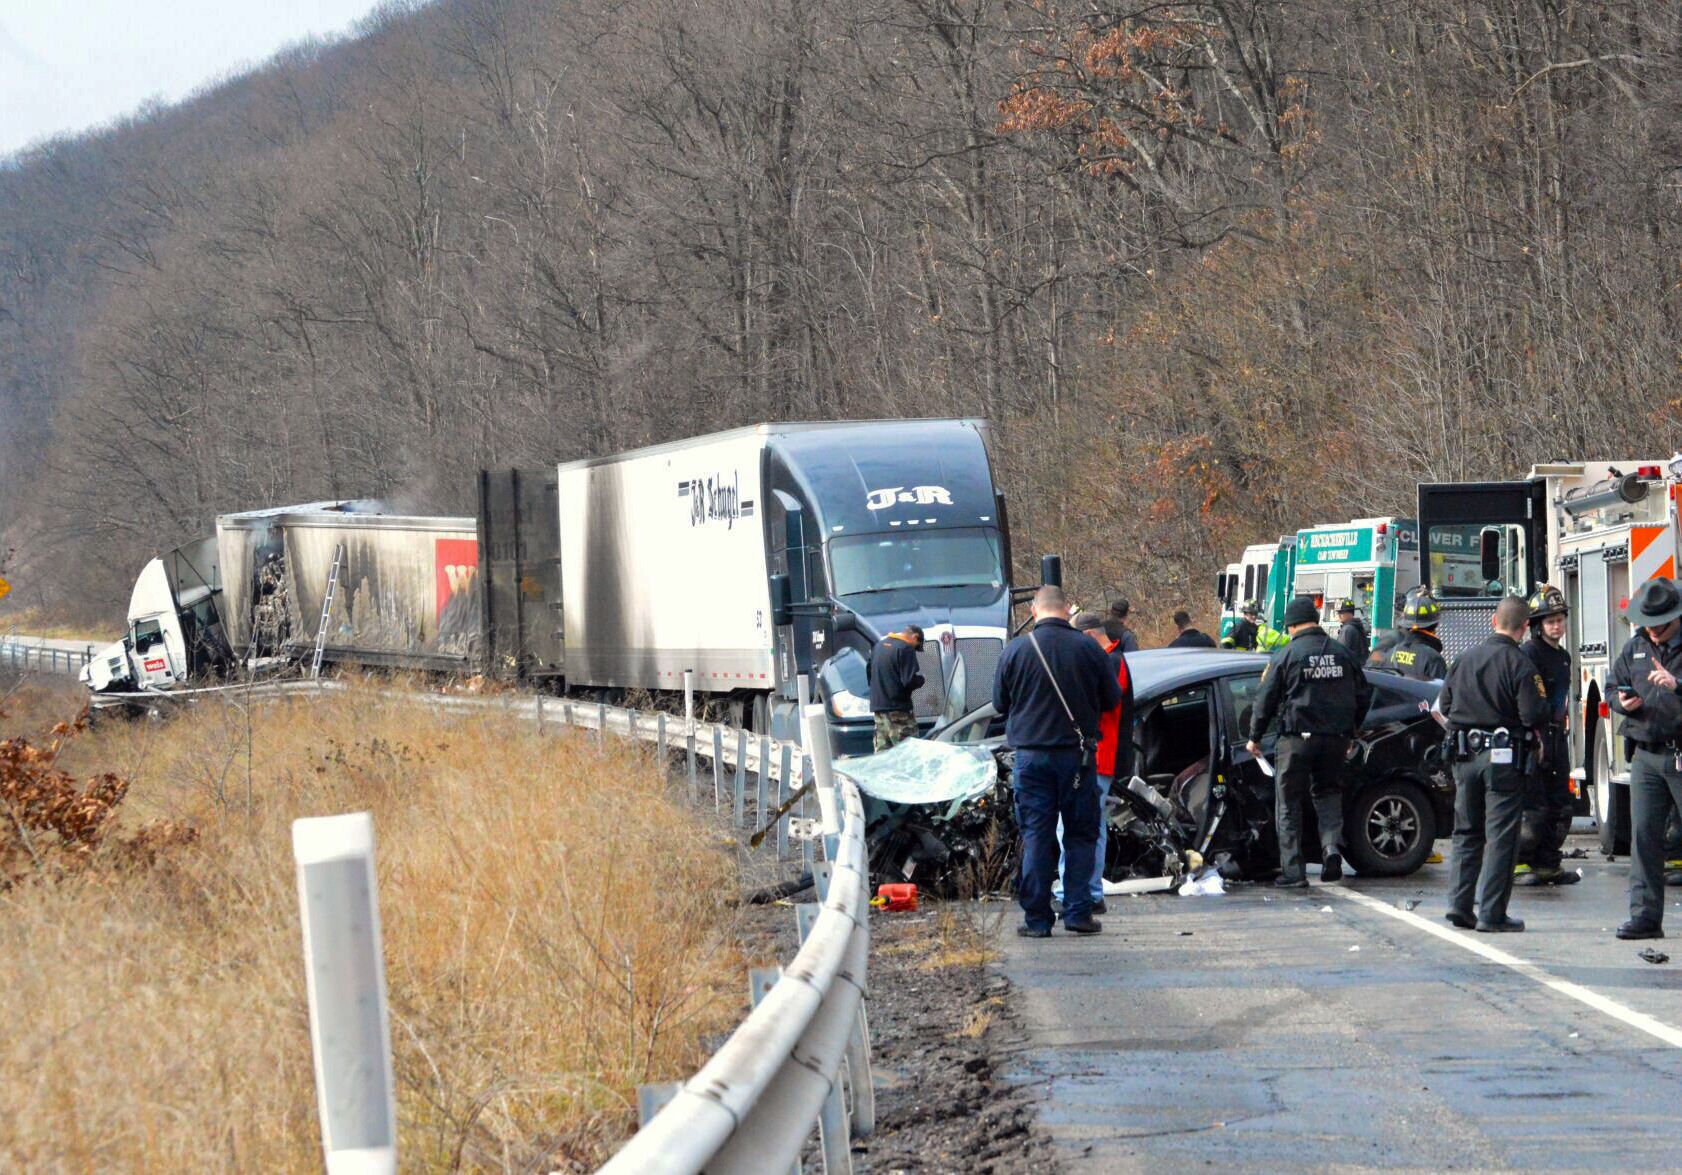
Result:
<point x="1419" y="609"/>
<point x="1548" y="601"/>
<point x="1250" y="608"/>
<point x="1345" y="605"/>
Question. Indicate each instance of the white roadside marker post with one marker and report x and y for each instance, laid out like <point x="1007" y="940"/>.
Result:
<point x="344" y="965"/>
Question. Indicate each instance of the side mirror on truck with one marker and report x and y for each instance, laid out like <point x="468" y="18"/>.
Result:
<point x="782" y="601"/>
<point x="1489" y="553"/>
<point x="1051" y="570"/>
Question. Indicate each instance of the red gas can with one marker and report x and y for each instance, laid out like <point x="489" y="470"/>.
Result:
<point x="896" y="896"/>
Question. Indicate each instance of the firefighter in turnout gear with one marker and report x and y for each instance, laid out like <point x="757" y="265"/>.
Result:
<point x="1492" y="701"/>
<point x="1243" y="634"/>
<point x="894" y="676"/>
<point x="1418" y="654"/>
<point x="1547" y="798"/>
<point x="1317" y="693"/>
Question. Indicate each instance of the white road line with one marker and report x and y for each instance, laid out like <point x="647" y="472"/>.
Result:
<point x="1465" y="941"/>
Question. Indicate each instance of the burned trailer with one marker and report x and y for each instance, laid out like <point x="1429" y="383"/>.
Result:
<point x="404" y="588"/>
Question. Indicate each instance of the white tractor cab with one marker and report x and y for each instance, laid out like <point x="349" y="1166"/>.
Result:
<point x="174" y="625"/>
<point x="1595" y="530"/>
<point x="1371" y="561"/>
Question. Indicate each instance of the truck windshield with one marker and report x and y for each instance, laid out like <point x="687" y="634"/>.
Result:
<point x="915" y="559"/>
<point x="146" y="634"/>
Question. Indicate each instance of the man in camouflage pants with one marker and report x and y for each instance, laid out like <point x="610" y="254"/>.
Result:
<point x="894" y="676"/>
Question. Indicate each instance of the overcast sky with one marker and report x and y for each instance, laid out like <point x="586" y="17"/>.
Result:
<point x="70" y="64"/>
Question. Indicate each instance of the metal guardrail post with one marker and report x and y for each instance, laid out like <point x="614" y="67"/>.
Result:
<point x="344" y="967"/>
<point x="808" y="853"/>
<point x="652" y="1098"/>
<point x="601" y="724"/>
<point x="660" y="739"/>
<point x="823" y="770"/>
<point x="785" y="788"/>
<point x="762" y="781"/>
<point x="689" y="732"/>
<point x="737" y="813"/>
<point x="540" y="728"/>
<point x="718" y="765"/>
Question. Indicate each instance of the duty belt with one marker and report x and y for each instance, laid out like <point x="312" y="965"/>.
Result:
<point x="1664" y="748"/>
<point x="1470" y="741"/>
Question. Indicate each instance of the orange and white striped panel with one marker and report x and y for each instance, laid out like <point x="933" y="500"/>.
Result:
<point x="1652" y="552"/>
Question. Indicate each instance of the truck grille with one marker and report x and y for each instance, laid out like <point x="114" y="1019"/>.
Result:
<point x="981" y="664"/>
<point x="1460" y="626"/>
<point x="930" y="700"/>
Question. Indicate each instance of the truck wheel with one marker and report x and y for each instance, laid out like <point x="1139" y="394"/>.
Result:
<point x="1611" y="814"/>
<point x="1611" y="802"/>
<point x="1389" y="829"/>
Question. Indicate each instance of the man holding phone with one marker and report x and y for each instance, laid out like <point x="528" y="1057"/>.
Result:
<point x="1644" y="685"/>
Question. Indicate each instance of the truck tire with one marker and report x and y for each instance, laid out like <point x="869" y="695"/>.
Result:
<point x="1614" y="819"/>
<point x="1610" y="801"/>
<point x="1389" y="829"/>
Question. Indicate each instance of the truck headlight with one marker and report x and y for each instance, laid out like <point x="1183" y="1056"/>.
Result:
<point x="846" y="704"/>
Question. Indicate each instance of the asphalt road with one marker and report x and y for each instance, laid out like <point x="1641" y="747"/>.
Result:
<point x="1264" y="1040"/>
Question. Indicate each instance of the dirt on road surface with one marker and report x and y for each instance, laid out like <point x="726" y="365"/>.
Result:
<point x="940" y="1027"/>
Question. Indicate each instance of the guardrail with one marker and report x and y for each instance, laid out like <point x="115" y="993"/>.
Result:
<point x="16" y="654"/>
<point x="802" y="1056"/>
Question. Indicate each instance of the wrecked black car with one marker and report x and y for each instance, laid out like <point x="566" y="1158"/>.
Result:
<point x="1202" y="798"/>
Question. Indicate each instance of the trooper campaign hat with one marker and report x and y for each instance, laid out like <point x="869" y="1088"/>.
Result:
<point x="1655" y="604"/>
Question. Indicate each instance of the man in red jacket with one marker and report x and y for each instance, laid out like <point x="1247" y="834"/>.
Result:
<point x="1115" y="752"/>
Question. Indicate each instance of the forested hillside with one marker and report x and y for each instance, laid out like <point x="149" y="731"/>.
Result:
<point x="1213" y="270"/>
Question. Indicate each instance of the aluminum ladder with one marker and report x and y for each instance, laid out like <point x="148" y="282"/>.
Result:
<point x="326" y="610"/>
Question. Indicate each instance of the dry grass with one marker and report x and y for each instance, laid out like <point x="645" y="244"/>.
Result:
<point x="553" y="937"/>
<point x="960" y="940"/>
<point x="34" y="622"/>
<point x="980" y="1018"/>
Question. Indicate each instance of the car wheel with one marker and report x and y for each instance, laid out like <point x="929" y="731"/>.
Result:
<point x="1389" y="829"/>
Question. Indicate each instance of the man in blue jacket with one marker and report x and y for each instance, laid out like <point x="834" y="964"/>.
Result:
<point x="1053" y="685"/>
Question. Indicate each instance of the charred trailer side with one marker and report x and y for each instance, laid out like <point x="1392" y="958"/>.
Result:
<point x="406" y="591"/>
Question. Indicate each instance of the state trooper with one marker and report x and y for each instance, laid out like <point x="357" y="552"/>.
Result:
<point x="1643" y="687"/>
<point x="1318" y="692"/>
<point x="1547" y="796"/>
<point x="1418" y="653"/>
<point x="1492" y="701"/>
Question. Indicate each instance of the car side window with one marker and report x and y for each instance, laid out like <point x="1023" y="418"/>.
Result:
<point x="1241" y="691"/>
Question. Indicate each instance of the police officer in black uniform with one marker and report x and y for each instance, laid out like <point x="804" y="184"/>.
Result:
<point x="1492" y="701"/>
<point x="1643" y="687"/>
<point x="1547" y="794"/>
<point x="1418" y="654"/>
<point x="1351" y="633"/>
<point x="1318" y="691"/>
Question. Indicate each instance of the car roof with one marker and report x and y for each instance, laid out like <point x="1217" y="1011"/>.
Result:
<point x="1155" y="669"/>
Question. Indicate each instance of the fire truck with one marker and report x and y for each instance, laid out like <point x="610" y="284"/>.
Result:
<point x="1596" y="531"/>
